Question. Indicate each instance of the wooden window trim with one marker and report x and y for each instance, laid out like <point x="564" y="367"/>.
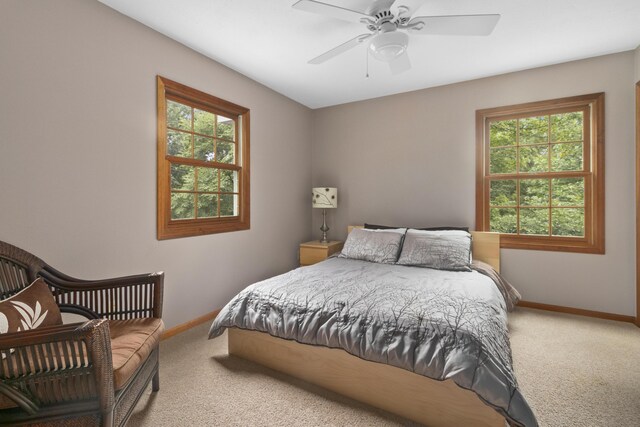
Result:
<point x="171" y="229"/>
<point x="594" y="240"/>
<point x="637" y="320"/>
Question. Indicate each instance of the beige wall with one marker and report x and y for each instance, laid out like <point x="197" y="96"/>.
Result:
<point x="78" y="162"/>
<point x="409" y="159"/>
<point x="637" y="65"/>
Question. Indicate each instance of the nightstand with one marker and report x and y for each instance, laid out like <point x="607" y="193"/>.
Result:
<point x="314" y="251"/>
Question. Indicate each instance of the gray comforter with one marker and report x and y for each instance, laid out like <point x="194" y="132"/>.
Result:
<point x="440" y="324"/>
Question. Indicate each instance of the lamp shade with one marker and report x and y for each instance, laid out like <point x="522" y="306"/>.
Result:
<point x="325" y="197"/>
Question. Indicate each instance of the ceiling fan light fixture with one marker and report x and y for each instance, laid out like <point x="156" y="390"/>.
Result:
<point x="388" y="46"/>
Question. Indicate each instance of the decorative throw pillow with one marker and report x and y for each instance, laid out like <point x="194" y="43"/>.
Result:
<point x="30" y="308"/>
<point x="384" y="227"/>
<point x="442" y="250"/>
<point x="382" y="246"/>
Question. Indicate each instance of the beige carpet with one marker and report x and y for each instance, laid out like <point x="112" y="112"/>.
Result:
<point x="574" y="371"/>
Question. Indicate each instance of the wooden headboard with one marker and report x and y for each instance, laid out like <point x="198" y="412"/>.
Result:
<point x="485" y="246"/>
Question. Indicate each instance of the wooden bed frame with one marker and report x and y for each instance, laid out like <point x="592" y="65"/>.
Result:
<point x="418" y="398"/>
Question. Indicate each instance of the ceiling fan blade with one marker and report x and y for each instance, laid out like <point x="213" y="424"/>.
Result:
<point x="406" y="8"/>
<point x="400" y="64"/>
<point x="376" y="6"/>
<point x="329" y="10"/>
<point x="455" y="25"/>
<point x="340" y="49"/>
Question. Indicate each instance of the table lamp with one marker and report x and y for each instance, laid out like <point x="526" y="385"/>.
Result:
<point x="324" y="198"/>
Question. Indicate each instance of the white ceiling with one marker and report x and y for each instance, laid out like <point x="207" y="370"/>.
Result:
<point x="271" y="43"/>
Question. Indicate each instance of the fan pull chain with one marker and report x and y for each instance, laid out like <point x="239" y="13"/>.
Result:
<point x="366" y="52"/>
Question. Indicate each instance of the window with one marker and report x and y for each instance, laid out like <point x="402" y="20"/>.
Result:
<point x="203" y="163"/>
<point x="540" y="174"/>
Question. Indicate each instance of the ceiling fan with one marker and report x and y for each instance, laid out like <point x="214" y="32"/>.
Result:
<point x="388" y="37"/>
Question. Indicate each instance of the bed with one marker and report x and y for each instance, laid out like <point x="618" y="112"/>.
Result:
<point x="429" y="345"/>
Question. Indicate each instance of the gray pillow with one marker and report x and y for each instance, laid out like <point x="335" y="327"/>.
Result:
<point x="442" y="250"/>
<point x="381" y="246"/>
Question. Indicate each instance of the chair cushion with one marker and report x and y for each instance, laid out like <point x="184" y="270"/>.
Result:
<point x="32" y="307"/>
<point x="132" y="341"/>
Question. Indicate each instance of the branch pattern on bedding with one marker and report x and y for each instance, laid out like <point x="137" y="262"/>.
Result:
<point x="440" y="324"/>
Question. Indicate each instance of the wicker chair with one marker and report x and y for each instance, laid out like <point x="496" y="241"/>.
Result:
<point x="64" y="375"/>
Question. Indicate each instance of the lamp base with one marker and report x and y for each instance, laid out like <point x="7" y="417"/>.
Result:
<point x="324" y="227"/>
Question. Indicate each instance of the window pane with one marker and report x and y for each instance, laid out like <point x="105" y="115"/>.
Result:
<point x="228" y="181"/>
<point x="207" y="205"/>
<point x="567" y="222"/>
<point x="566" y="157"/>
<point x="503" y="160"/>
<point x="204" y="148"/>
<point x="203" y="122"/>
<point x="178" y="115"/>
<point x="182" y="205"/>
<point x="566" y="127"/>
<point x="178" y="144"/>
<point x="534" y="221"/>
<point x="503" y="192"/>
<point x="207" y="179"/>
<point x="226" y="128"/>
<point x="182" y="177"/>
<point x="534" y="159"/>
<point x="228" y="204"/>
<point x="534" y="192"/>
<point x="534" y="130"/>
<point x="503" y="133"/>
<point x="567" y="192"/>
<point x="225" y="152"/>
<point x="503" y="220"/>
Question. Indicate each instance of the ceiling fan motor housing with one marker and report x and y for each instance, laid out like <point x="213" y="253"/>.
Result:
<point x="381" y="22"/>
<point x="383" y="16"/>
